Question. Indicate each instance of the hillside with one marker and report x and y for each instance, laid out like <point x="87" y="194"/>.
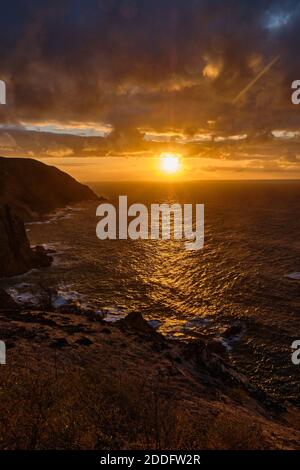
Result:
<point x="34" y="189"/>
<point x="88" y="384"/>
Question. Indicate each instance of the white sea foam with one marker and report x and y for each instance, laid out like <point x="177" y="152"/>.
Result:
<point x="295" y="276"/>
<point x="194" y="322"/>
<point x="112" y="318"/>
<point x="22" y="293"/>
<point x="57" y="215"/>
<point x="38" y="222"/>
<point x="155" y="324"/>
<point x="65" y="296"/>
<point x="226" y="343"/>
<point x="113" y="314"/>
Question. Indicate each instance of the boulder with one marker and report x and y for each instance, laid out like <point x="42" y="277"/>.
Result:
<point x="135" y="322"/>
<point x="234" y="330"/>
<point x="16" y="255"/>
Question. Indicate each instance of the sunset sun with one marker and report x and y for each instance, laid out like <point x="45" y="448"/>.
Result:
<point x="170" y="163"/>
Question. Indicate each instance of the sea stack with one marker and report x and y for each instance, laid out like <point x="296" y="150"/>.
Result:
<point x="16" y="255"/>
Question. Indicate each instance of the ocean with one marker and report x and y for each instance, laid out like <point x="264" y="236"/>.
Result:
<point x="246" y="275"/>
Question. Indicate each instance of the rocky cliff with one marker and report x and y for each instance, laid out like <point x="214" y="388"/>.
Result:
<point x="16" y="255"/>
<point x="34" y="189"/>
<point x="28" y="191"/>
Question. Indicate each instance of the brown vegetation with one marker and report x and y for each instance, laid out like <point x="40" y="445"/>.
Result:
<point x="74" y="382"/>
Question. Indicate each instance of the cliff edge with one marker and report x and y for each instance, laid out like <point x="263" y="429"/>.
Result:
<point x="34" y="189"/>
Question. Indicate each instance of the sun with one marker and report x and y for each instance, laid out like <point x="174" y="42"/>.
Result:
<point x="170" y="163"/>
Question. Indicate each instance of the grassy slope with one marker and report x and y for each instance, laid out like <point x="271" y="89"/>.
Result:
<point x="74" y="382"/>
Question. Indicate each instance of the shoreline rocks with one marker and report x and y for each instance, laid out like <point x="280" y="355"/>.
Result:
<point x="16" y="255"/>
<point x="29" y="190"/>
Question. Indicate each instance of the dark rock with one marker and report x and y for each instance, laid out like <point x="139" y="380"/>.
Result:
<point x="7" y="302"/>
<point x="42" y="257"/>
<point x="16" y="256"/>
<point x="84" y="341"/>
<point x="93" y="316"/>
<point x="59" y="343"/>
<point x="178" y="359"/>
<point x="217" y="347"/>
<point x="34" y="189"/>
<point x="234" y="330"/>
<point x="210" y="354"/>
<point x="134" y="321"/>
<point x="28" y="191"/>
<point x="194" y="349"/>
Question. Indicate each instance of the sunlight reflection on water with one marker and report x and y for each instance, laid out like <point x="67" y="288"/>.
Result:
<point x="251" y="244"/>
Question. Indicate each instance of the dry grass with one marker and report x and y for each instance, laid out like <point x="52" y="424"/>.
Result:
<point x="63" y="408"/>
<point x="229" y="433"/>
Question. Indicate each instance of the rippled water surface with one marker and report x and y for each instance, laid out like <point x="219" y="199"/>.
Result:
<point x="252" y="243"/>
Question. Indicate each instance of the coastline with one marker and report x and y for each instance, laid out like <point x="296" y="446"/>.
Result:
<point x="240" y="330"/>
<point x="88" y="374"/>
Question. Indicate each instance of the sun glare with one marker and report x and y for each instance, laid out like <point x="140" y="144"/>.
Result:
<point x="170" y="163"/>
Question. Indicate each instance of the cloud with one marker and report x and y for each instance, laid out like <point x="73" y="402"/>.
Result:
<point x="7" y="141"/>
<point x="155" y="64"/>
<point x="56" y="150"/>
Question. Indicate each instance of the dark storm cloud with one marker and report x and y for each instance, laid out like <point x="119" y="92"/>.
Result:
<point x="151" y="63"/>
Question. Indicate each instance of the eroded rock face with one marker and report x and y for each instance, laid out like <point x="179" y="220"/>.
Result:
<point x="16" y="255"/>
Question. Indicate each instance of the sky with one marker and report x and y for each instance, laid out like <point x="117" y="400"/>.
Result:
<point x="102" y="88"/>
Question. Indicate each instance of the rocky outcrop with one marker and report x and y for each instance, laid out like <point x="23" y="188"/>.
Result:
<point x="7" y="302"/>
<point x="16" y="255"/>
<point x="28" y="191"/>
<point x="134" y="321"/>
<point x="33" y="189"/>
